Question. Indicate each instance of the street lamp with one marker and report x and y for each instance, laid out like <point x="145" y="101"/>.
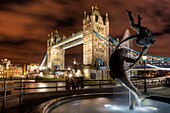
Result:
<point x="145" y="87"/>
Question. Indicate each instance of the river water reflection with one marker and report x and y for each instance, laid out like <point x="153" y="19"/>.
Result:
<point x="12" y="85"/>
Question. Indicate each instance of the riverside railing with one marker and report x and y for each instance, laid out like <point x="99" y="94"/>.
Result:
<point x="21" y="87"/>
<point x="56" y="85"/>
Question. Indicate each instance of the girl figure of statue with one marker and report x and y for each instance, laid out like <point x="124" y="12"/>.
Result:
<point x="143" y="37"/>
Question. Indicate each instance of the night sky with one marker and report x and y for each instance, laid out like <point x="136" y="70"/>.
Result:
<point x="25" y="24"/>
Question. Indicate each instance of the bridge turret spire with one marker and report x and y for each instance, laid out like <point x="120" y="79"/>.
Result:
<point x="95" y="10"/>
<point x="107" y="17"/>
<point x="85" y="14"/>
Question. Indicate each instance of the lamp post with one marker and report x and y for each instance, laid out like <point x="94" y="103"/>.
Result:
<point x="145" y="85"/>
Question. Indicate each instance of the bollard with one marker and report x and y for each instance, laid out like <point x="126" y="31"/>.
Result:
<point x="4" y="102"/>
<point x="56" y="86"/>
<point x="20" y="100"/>
<point x="67" y="82"/>
<point x="100" y="86"/>
<point x="82" y="85"/>
<point x="24" y="88"/>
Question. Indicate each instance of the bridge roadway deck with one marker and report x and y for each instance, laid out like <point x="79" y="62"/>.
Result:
<point x="30" y="101"/>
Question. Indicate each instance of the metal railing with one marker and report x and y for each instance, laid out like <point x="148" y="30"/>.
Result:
<point x="25" y="83"/>
<point x="22" y="86"/>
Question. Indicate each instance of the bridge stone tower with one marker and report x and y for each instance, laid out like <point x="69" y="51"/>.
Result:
<point x="56" y="55"/>
<point x="93" y="48"/>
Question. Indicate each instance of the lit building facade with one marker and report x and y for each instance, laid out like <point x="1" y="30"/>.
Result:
<point x="9" y="70"/>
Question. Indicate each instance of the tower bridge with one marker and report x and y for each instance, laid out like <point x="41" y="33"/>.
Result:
<point x="96" y="43"/>
<point x="93" y="49"/>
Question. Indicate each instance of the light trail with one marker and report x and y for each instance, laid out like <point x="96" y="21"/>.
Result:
<point x="160" y="68"/>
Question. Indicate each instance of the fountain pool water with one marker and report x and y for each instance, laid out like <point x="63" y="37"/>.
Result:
<point x="105" y="104"/>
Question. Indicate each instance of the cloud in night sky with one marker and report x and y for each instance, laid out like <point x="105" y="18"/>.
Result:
<point x="25" y="24"/>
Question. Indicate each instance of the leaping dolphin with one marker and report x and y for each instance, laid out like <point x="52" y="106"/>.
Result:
<point x="117" y="70"/>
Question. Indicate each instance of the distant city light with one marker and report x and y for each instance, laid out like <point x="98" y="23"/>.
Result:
<point x="70" y="75"/>
<point x="41" y="74"/>
<point x="86" y="71"/>
<point x="144" y="57"/>
<point x="78" y="73"/>
<point x="74" y="62"/>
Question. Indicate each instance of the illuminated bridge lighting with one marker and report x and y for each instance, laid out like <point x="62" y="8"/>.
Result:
<point x="160" y="68"/>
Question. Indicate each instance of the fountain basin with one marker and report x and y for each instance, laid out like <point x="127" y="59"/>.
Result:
<point x="101" y="103"/>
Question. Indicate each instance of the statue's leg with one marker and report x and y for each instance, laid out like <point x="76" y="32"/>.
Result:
<point x="139" y="20"/>
<point x="131" y="20"/>
<point x="128" y="38"/>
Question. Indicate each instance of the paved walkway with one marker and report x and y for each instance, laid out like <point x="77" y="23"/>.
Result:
<point x="162" y="91"/>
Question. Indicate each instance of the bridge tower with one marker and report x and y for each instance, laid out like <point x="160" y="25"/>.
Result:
<point x="56" y="55"/>
<point x="93" y="48"/>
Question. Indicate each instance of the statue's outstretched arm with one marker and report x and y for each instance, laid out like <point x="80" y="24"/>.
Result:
<point x="128" y="38"/>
